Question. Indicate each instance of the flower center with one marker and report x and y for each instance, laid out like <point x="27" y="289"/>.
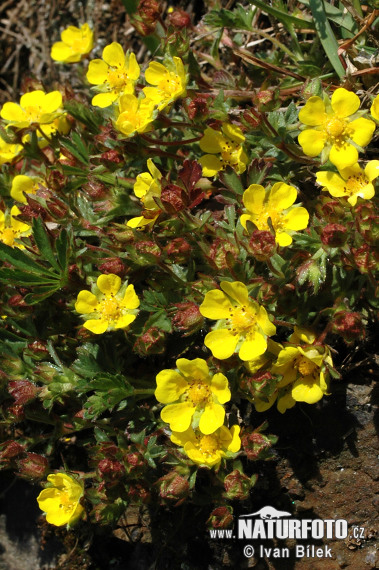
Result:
<point x="33" y="113"/>
<point x="337" y="130"/>
<point x="8" y="236"/>
<point x="117" y="79"/>
<point x="170" y="85"/>
<point x="198" y="393"/>
<point x="305" y="366"/>
<point x="355" y="184"/>
<point x="241" y="319"/>
<point x="110" y="309"/>
<point x="65" y="503"/>
<point x="208" y="444"/>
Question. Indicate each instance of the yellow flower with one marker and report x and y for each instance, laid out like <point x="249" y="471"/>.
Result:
<point x="75" y="43"/>
<point x="147" y="187"/>
<point x="242" y="325"/>
<point x="170" y="82"/>
<point x="331" y="126"/>
<point x="11" y="229"/>
<point x="111" y="307"/>
<point x="208" y="450"/>
<point x="192" y="394"/>
<point x="227" y="143"/>
<point x="353" y="181"/>
<point x="114" y="75"/>
<point x="275" y="204"/>
<point x="302" y="365"/>
<point x="135" y="115"/>
<point x="35" y="107"/>
<point x="22" y="185"/>
<point x="8" y="151"/>
<point x="60" y="500"/>
<point x="375" y="108"/>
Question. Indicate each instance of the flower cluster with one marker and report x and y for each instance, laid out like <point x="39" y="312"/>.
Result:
<point x="194" y="409"/>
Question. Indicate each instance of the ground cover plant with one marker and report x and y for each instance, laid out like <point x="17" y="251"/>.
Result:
<point x="188" y="241"/>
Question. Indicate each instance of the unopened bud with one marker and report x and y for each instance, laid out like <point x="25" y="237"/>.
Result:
<point x="222" y="517"/>
<point x="178" y="249"/>
<point x="262" y="245"/>
<point x="198" y="108"/>
<point x="334" y="235"/>
<point x="349" y="325"/>
<point x="153" y="341"/>
<point x="256" y="445"/>
<point x="173" y="198"/>
<point x="180" y="19"/>
<point x="113" y="265"/>
<point x="10" y="449"/>
<point x="110" y="470"/>
<point x="33" y="466"/>
<point x="112" y="156"/>
<point x="237" y="485"/>
<point x="22" y="391"/>
<point x="187" y="317"/>
<point x="173" y="487"/>
<point x="366" y="258"/>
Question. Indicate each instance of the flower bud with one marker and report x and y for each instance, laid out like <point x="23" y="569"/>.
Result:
<point x="237" y="485"/>
<point x="110" y="470"/>
<point x="221" y="517"/>
<point x="256" y="445"/>
<point x="148" y="248"/>
<point x="311" y="272"/>
<point x="334" y="235"/>
<point x="55" y="180"/>
<point x="95" y="190"/>
<point x="173" y="198"/>
<point x="112" y="156"/>
<point x="252" y="117"/>
<point x="17" y="301"/>
<point x="258" y="384"/>
<point x="349" y="325"/>
<point x="113" y="265"/>
<point x="140" y="493"/>
<point x="10" y="449"/>
<point x="173" y="487"/>
<point x="262" y="245"/>
<point x="187" y="317"/>
<point x="33" y="466"/>
<point x="180" y="19"/>
<point x="198" y="108"/>
<point x="178" y="249"/>
<point x="223" y="254"/>
<point x="36" y="350"/>
<point x="153" y="341"/>
<point x="22" y="391"/>
<point x="149" y="11"/>
<point x="366" y="258"/>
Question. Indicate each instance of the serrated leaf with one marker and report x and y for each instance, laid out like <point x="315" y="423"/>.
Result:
<point x="76" y="147"/>
<point x="20" y="260"/>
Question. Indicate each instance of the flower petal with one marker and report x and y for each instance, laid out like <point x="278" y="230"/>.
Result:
<point x="237" y="291"/>
<point x="212" y="141"/>
<point x="179" y="416"/>
<point x="281" y="196"/>
<point x="253" y="198"/>
<point x="296" y="219"/>
<point x="312" y="142"/>
<point x="155" y="73"/>
<point x="372" y="170"/>
<point x="363" y="129"/>
<point x="285" y="402"/>
<point x="343" y="156"/>
<point x="233" y="133"/>
<point x="130" y="300"/>
<point x="104" y="100"/>
<point x="306" y="389"/>
<point x="313" y="112"/>
<point x="97" y="72"/>
<point x="345" y="103"/>
<point x="13" y="112"/>
<point x="222" y="343"/>
<point x="210" y="164"/>
<point x="332" y="182"/>
<point x="86" y="302"/>
<point x="196" y="369"/>
<point x="51" y="101"/>
<point x="375" y="108"/>
<point x="113" y="55"/>
<point x="220" y="388"/>
<point x="235" y="444"/>
<point x="109" y="284"/>
<point x="254" y="346"/>
<point x="170" y="386"/>
<point x="124" y="321"/>
<point x="216" y="305"/>
<point x="212" y="418"/>
<point x="97" y="326"/>
<point x="264" y="322"/>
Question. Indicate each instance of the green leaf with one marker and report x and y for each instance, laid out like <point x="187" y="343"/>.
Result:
<point x="86" y="114"/>
<point x="327" y="38"/>
<point x="43" y="242"/>
<point x="76" y="147"/>
<point x="284" y="17"/>
<point x="341" y="17"/>
<point x="62" y="245"/>
<point x="19" y="259"/>
<point x="109" y="391"/>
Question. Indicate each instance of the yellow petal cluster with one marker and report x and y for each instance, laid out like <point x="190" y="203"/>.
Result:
<point x="208" y="450"/>
<point x="170" y="82"/>
<point x="111" y="306"/>
<point x="8" y="151"/>
<point x="11" y="229"/>
<point x="23" y="185"/>
<point x="227" y="145"/>
<point x="192" y="390"/>
<point x="331" y="126"/>
<point x="277" y="206"/>
<point x="75" y="43"/>
<point x="302" y="365"/>
<point x="147" y="188"/>
<point x="35" y="108"/>
<point x="353" y="182"/>
<point x="60" y="499"/>
<point x="242" y="324"/>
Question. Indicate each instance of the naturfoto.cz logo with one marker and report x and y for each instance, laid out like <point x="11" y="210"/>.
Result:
<point x="275" y="524"/>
